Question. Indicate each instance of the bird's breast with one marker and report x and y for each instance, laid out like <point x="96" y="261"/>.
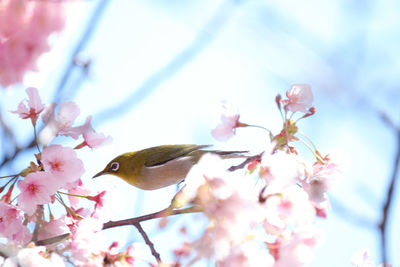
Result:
<point x="171" y="172"/>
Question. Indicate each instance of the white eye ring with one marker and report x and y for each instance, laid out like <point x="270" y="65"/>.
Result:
<point x="114" y="166"/>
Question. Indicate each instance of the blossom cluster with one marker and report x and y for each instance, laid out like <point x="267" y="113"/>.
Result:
<point x="25" y="27"/>
<point x="54" y="178"/>
<point x="266" y="215"/>
<point x="261" y="212"/>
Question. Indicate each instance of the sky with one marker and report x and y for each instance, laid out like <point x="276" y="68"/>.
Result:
<point x="160" y="70"/>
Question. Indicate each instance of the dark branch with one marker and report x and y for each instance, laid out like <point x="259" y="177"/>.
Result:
<point x="244" y="163"/>
<point x="389" y="195"/>
<point x="52" y="240"/>
<point x="160" y="214"/>
<point x="132" y="221"/>
<point x="148" y="242"/>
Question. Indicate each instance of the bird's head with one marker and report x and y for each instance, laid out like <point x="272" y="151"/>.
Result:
<point x="122" y="166"/>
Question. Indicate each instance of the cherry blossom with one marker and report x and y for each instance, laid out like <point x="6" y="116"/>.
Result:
<point x="53" y="228"/>
<point x="248" y="255"/>
<point x="11" y="225"/>
<point x="300" y="98"/>
<point x="63" y="164"/>
<point x="296" y="250"/>
<point x="322" y="176"/>
<point x="34" y="257"/>
<point x="287" y="209"/>
<point x="220" y="194"/>
<point x="280" y="169"/>
<point x="87" y="243"/>
<point x="91" y="138"/>
<point x="24" y="31"/>
<point x="229" y="123"/>
<point x="34" y="108"/>
<point x="36" y="189"/>
<point x="62" y="125"/>
<point x="80" y="190"/>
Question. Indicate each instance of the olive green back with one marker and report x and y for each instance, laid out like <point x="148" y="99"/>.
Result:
<point x="166" y="153"/>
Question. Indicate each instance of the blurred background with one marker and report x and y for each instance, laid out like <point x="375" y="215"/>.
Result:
<point x="155" y="72"/>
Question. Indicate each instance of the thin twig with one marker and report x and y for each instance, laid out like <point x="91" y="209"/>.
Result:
<point x="52" y="240"/>
<point x="148" y="242"/>
<point x="244" y="163"/>
<point x="39" y="221"/>
<point x="389" y="195"/>
<point x="160" y="214"/>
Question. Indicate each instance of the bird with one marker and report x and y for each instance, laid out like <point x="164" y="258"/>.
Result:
<point x="160" y="166"/>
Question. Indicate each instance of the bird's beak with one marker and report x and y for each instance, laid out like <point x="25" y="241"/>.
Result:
<point x="100" y="174"/>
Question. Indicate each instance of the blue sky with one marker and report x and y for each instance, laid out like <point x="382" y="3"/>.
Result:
<point x="175" y="61"/>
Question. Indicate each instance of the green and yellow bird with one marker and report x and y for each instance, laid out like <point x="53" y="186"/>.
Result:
<point x="159" y="166"/>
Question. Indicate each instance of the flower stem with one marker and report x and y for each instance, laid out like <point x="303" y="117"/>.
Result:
<point x="308" y="139"/>
<point x="258" y="126"/>
<point x="8" y="176"/>
<point x="310" y="148"/>
<point x="35" y="136"/>
<point x="71" y="195"/>
<point x="68" y="209"/>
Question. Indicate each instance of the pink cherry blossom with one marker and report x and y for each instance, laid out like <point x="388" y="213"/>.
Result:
<point x="87" y="243"/>
<point x="247" y="255"/>
<point x="80" y="190"/>
<point x="221" y="194"/>
<point x="35" y="106"/>
<point x="62" y="125"/>
<point x="63" y="164"/>
<point x="99" y="200"/>
<point x="229" y="123"/>
<point x="36" y="189"/>
<point x="324" y="175"/>
<point x="53" y="228"/>
<point x="280" y="169"/>
<point x="24" y="31"/>
<point x="91" y="138"/>
<point x="296" y="250"/>
<point x="300" y="98"/>
<point x="286" y="209"/>
<point x="11" y="225"/>
<point x="34" y="257"/>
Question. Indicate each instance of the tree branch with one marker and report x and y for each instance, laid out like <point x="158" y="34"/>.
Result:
<point x="52" y="240"/>
<point x="244" y="163"/>
<point x="132" y="221"/>
<point x="389" y="195"/>
<point x="148" y="242"/>
<point x="160" y="214"/>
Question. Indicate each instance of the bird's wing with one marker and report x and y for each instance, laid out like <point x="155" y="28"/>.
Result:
<point x="170" y="152"/>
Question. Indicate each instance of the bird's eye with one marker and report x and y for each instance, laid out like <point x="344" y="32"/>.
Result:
<point x="114" y="166"/>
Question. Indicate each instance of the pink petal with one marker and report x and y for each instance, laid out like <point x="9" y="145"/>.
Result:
<point x="34" y="101"/>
